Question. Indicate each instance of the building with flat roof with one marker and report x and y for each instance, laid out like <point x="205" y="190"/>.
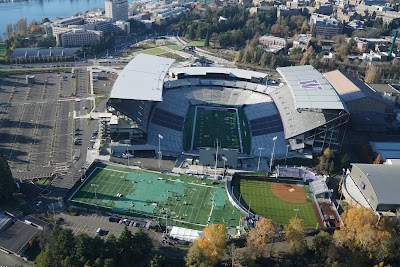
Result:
<point x="34" y="52"/>
<point x="367" y="108"/>
<point x="78" y="37"/>
<point x="373" y="186"/>
<point x="325" y="26"/>
<point x="16" y="238"/>
<point x="116" y="9"/>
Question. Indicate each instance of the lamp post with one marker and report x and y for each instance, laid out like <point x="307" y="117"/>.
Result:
<point x="216" y="160"/>
<point x="272" y="154"/>
<point x="297" y="211"/>
<point x="287" y="151"/>
<point x="224" y="159"/>
<point x="259" y="158"/>
<point x="95" y="193"/>
<point x="159" y="150"/>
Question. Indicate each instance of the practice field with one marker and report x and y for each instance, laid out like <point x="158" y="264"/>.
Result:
<point x="278" y="201"/>
<point x="186" y="201"/>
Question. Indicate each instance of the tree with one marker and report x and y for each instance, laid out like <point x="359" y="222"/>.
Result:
<point x="213" y="242"/>
<point x="373" y="74"/>
<point x="195" y="256"/>
<point x="157" y="261"/>
<point x="377" y="160"/>
<point x="259" y="236"/>
<point x="294" y="234"/>
<point x="363" y="231"/>
<point x="7" y="186"/>
<point x="235" y="256"/>
<point x="207" y="41"/>
<point x="326" y="161"/>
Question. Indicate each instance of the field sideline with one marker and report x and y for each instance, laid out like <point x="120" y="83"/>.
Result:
<point x="186" y="201"/>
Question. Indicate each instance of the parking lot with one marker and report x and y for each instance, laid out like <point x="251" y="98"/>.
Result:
<point x="36" y="121"/>
<point x="89" y="223"/>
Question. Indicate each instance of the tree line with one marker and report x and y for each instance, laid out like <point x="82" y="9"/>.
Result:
<point x="364" y="239"/>
<point x="61" y="248"/>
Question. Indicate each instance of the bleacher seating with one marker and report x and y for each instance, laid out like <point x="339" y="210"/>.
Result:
<point x="266" y="125"/>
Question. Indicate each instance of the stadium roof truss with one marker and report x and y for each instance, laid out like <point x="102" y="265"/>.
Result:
<point x="142" y="79"/>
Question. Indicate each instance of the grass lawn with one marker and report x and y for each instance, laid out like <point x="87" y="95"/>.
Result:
<point x="259" y="197"/>
<point x="154" y="51"/>
<point x="98" y="99"/>
<point x="174" y="47"/>
<point x="196" y="43"/>
<point x="43" y="182"/>
<point x="186" y="201"/>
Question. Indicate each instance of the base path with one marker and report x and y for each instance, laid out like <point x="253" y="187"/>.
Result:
<point x="291" y="193"/>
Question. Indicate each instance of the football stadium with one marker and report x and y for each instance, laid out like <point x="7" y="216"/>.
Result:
<point x="194" y="107"/>
<point x="219" y="117"/>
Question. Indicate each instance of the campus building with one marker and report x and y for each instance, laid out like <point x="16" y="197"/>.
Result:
<point x="325" y="26"/>
<point x="78" y="37"/>
<point x="373" y="186"/>
<point x="116" y="9"/>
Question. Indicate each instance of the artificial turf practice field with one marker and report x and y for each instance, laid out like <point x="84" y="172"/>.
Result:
<point x="211" y="123"/>
<point x="185" y="200"/>
<point x="278" y="201"/>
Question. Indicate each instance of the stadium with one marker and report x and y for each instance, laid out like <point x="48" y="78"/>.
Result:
<point x="219" y="117"/>
<point x="194" y="108"/>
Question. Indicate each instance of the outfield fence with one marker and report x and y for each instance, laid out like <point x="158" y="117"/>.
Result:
<point x="233" y="200"/>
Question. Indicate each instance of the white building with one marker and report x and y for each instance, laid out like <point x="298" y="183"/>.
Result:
<point x="78" y="37"/>
<point x="116" y="9"/>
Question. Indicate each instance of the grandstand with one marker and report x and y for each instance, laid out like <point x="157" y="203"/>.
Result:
<point x="163" y="104"/>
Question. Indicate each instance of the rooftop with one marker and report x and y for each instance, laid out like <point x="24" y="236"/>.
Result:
<point x="142" y="78"/>
<point x="310" y="89"/>
<point x="15" y="238"/>
<point x="384" y="180"/>
<point x="44" y="52"/>
<point x="239" y="73"/>
<point x="294" y="122"/>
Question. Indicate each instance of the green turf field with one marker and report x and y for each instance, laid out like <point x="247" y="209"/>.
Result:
<point x="154" y="51"/>
<point x="204" y="124"/>
<point x="258" y="195"/>
<point x="187" y="201"/>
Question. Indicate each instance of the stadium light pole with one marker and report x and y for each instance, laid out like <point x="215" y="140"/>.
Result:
<point x="287" y="151"/>
<point x="95" y="193"/>
<point x="272" y="154"/>
<point x="259" y="158"/>
<point x="297" y="211"/>
<point x="159" y="150"/>
<point x="216" y="160"/>
<point x="224" y="159"/>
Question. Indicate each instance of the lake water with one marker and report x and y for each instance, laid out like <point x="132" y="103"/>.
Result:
<point x="39" y="9"/>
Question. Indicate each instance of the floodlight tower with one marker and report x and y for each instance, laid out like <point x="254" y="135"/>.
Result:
<point x="272" y="154"/>
<point x="259" y="158"/>
<point x="159" y="150"/>
<point x="224" y="159"/>
<point x="95" y="193"/>
<point x="216" y="158"/>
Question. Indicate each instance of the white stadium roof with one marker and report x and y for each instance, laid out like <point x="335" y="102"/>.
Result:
<point x="239" y="73"/>
<point x="310" y="89"/>
<point x="142" y="78"/>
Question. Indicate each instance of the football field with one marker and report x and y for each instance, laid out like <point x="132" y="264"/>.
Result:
<point x="216" y="123"/>
<point x="183" y="200"/>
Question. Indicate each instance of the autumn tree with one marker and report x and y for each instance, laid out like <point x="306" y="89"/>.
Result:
<point x="326" y="161"/>
<point x="213" y="243"/>
<point x="373" y="74"/>
<point x="259" y="236"/>
<point x="377" y="159"/>
<point x="294" y="234"/>
<point x="195" y="256"/>
<point x="363" y="231"/>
